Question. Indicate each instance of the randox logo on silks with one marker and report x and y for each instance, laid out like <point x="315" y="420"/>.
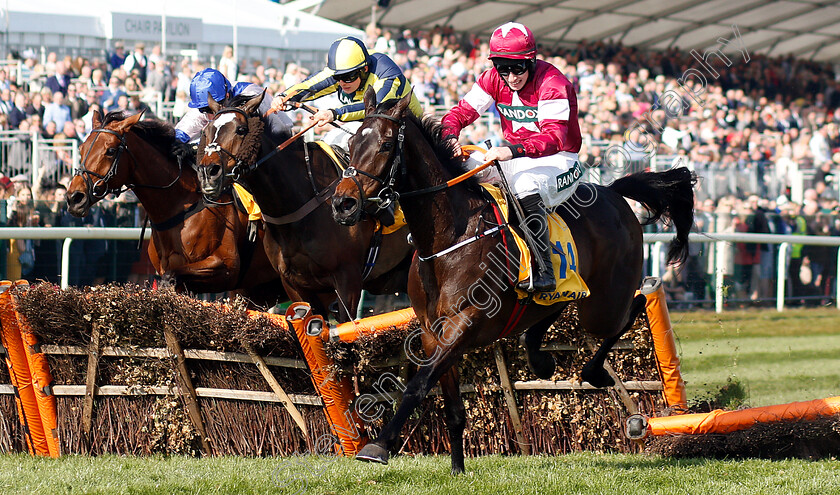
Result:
<point x="569" y="177"/>
<point x="518" y="113"/>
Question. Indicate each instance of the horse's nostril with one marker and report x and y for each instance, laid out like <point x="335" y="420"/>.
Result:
<point x="76" y="198"/>
<point x="347" y="204"/>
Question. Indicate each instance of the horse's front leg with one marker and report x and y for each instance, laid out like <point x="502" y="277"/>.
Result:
<point x="440" y="360"/>
<point x="456" y="417"/>
<point x="348" y="289"/>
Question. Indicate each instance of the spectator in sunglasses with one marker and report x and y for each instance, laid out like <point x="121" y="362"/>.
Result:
<point x="350" y="71"/>
<point x="538" y="109"/>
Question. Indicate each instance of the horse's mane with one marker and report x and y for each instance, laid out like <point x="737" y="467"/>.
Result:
<point x="432" y="131"/>
<point x="158" y="133"/>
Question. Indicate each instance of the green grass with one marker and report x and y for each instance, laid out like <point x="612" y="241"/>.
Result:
<point x="777" y="357"/>
<point x="570" y="474"/>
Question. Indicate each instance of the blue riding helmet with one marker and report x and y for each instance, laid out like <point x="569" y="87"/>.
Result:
<point x="207" y="81"/>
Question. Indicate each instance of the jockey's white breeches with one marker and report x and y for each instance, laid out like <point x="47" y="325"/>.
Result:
<point x="555" y="178"/>
<point x="337" y="137"/>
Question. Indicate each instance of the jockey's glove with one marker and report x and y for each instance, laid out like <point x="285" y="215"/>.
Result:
<point x="183" y="151"/>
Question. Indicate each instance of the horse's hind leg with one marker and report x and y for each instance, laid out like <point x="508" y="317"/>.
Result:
<point x="594" y="372"/>
<point x="456" y="417"/>
<point x="541" y="362"/>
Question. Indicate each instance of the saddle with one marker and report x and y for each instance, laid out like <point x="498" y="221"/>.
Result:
<point x="564" y="256"/>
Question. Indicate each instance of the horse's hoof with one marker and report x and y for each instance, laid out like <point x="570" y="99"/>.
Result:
<point x="542" y="364"/>
<point x="373" y="453"/>
<point x="456" y="470"/>
<point x="597" y="377"/>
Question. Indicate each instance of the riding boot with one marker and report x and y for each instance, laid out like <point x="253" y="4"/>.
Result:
<point x="543" y="278"/>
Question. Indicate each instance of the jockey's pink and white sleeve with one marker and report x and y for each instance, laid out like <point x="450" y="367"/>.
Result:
<point x="553" y="114"/>
<point x="467" y="111"/>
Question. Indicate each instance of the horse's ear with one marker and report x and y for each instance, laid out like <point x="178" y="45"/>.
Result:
<point x="124" y="125"/>
<point x="370" y="101"/>
<point x="252" y="106"/>
<point x="402" y="105"/>
<point x="212" y="104"/>
<point x="96" y="119"/>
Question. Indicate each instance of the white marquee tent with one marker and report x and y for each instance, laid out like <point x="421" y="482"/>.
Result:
<point x="262" y="29"/>
<point x="807" y="29"/>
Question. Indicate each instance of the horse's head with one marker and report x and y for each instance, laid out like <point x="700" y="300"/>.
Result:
<point x="101" y="169"/>
<point x="229" y="144"/>
<point x="376" y="161"/>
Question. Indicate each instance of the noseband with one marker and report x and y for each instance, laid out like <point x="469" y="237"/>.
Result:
<point x="100" y="188"/>
<point x="240" y="167"/>
<point x="387" y="195"/>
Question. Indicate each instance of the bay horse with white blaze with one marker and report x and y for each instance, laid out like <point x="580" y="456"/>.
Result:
<point x="197" y="246"/>
<point x="395" y="150"/>
<point x="317" y="258"/>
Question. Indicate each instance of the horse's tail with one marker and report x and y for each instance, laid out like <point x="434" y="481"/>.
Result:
<point x="669" y="194"/>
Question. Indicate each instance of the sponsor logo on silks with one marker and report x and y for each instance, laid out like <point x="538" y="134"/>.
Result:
<point x="569" y="177"/>
<point x="518" y="114"/>
<point x="566" y="295"/>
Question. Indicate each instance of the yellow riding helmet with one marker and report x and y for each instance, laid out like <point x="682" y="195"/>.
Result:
<point x="346" y="55"/>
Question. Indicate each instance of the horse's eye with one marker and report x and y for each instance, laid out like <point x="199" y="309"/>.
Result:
<point x="386" y="147"/>
<point x="242" y="130"/>
<point x="111" y="151"/>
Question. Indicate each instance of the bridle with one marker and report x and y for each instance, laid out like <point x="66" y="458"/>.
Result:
<point x="240" y="167"/>
<point x="100" y="188"/>
<point x="387" y="195"/>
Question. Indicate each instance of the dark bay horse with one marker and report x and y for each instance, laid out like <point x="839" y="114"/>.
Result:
<point x="198" y="246"/>
<point x="317" y="258"/>
<point x="461" y="298"/>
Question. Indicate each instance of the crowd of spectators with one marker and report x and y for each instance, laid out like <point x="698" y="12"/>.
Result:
<point x="775" y="118"/>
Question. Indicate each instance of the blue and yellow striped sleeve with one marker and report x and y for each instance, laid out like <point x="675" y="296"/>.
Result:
<point x="318" y="85"/>
<point x="390" y="88"/>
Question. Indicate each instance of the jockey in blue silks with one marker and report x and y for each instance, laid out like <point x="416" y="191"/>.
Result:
<point x="214" y="83"/>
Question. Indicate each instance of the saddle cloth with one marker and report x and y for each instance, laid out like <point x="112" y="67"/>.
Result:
<point x="248" y="202"/>
<point x="570" y="285"/>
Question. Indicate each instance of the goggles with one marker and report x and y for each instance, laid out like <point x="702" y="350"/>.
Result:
<point x="349" y="77"/>
<point x="515" y="69"/>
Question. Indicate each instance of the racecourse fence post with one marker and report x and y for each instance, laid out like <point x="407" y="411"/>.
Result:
<point x="187" y="389"/>
<point x="720" y="270"/>
<point x="836" y="283"/>
<point x="510" y="399"/>
<point x="65" y="263"/>
<point x="94" y="351"/>
<point x="782" y="276"/>
<point x="656" y="257"/>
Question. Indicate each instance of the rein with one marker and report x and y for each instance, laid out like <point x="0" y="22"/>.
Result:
<point x="100" y="188"/>
<point x="240" y="168"/>
<point x="390" y="181"/>
<point x="388" y="194"/>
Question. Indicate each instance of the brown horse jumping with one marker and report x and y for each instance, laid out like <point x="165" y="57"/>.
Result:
<point x="462" y="300"/>
<point x="317" y="258"/>
<point x="198" y="246"/>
